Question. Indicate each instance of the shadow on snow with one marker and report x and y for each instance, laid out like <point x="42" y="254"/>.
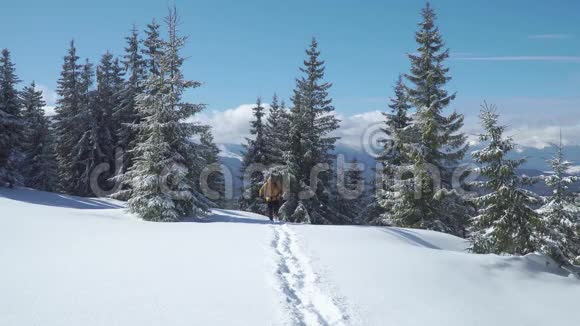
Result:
<point x="57" y="200"/>
<point x="228" y="216"/>
<point x="410" y="237"/>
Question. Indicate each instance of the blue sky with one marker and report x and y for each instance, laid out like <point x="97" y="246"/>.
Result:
<point x="522" y="55"/>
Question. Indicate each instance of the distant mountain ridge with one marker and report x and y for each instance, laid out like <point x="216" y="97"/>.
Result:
<point x="231" y="156"/>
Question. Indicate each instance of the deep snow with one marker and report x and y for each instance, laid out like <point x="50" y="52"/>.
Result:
<point x="77" y="261"/>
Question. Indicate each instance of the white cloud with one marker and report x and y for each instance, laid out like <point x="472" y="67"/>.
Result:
<point x="550" y="36"/>
<point x="528" y="134"/>
<point x="48" y="95"/>
<point x="545" y="136"/>
<point x="360" y="130"/>
<point x="49" y="111"/>
<point x="574" y="169"/>
<point x="229" y="126"/>
<point x="364" y="131"/>
<point x="532" y="122"/>
<point x="233" y="125"/>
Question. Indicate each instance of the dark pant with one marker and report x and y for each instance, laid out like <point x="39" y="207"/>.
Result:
<point x="273" y="207"/>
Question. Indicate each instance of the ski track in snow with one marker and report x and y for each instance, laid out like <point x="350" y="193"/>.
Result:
<point x="307" y="303"/>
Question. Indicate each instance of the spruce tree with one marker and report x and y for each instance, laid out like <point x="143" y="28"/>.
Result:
<point x="11" y="124"/>
<point x="68" y="120"/>
<point x="108" y="83"/>
<point x="394" y="161"/>
<point x="87" y="152"/>
<point x="172" y="61"/>
<point x="276" y="130"/>
<point x="395" y="123"/>
<point x="352" y="193"/>
<point x="255" y="156"/>
<point x="78" y="126"/>
<point x="373" y="212"/>
<point x="153" y="48"/>
<point x="435" y="144"/>
<point x="118" y="86"/>
<point x="125" y="113"/>
<point x="39" y="158"/>
<point x="210" y="154"/>
<point x="96" y="148"/>
<point x="310" y="146"/>
<point x="507" y="222"/>
<point x="560" y="215"/>
<point x="162" y="178"/>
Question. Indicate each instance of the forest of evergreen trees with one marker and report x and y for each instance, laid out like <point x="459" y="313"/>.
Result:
<point x="122" y="129"/>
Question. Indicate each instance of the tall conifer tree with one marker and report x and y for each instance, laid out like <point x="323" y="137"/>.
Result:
<point x="210" y="154"/>
<point x="395" y="160"/>
<point x="435" y="143"/>
<point x="87" y="152"/>
<point x="126" y="114"/>
<point x="108" y="83"/>
<point x="352" y="192"/>
<point x="276" y="130"/>
<point x="162" y="178"/>
<point x="310" y="146"/>
<point x="40" y="162"/>
<point x="68" y="120"/>
<point x="11" y="124"/>
<point x="255" y="154"/>
<point x="153" y="48"/>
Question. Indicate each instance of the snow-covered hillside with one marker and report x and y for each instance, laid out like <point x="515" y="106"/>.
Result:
<point x="77" y="261"/>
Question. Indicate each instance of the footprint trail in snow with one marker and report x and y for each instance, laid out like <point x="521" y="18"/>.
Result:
<point x="307" y="303"/>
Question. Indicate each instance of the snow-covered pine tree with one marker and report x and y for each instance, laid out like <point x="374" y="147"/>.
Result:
<point x="118" y="85"/>
<point x="97" y="143"/>
<point x="255" y="155"/>
<point x="507" y="223"/>
<point x="285" y="120"/>
<point x="276" y="130"/>
<point x="125" y="113"/>
<point x="87" y="152"/>
<point x="153" y="49"/>
<point x="394" y="161"/>
<point x="560" y="215"/>
<point x="310" y="146"/>
<point x="11" y="124"/>
<point x="210" y="154"/>
<point x="436" y="143"/>
<point x="396" y="121"/>
<point x="162" y="177"/>
<point x="372" y="213"/>
<point x="352" y="192"/>
<point x="109" y="82"/>
<point x="69" y="124"/>
<point x="39" y="166"/>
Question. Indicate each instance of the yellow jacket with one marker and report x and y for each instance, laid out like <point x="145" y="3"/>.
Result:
<point x="271" y="190"/>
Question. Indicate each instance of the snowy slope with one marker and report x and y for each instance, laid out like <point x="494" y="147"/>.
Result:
<point x="84" y="262"/>
<point x="72" y="261"/>
<point x="416" y="277"/>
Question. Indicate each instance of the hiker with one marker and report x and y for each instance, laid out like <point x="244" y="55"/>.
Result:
<point x="271" y="191"/>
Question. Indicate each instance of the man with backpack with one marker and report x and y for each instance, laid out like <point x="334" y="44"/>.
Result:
<point x="272" y="191"/>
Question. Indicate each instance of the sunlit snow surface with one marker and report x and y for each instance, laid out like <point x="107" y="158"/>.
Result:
<point x="75" y="261"/>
